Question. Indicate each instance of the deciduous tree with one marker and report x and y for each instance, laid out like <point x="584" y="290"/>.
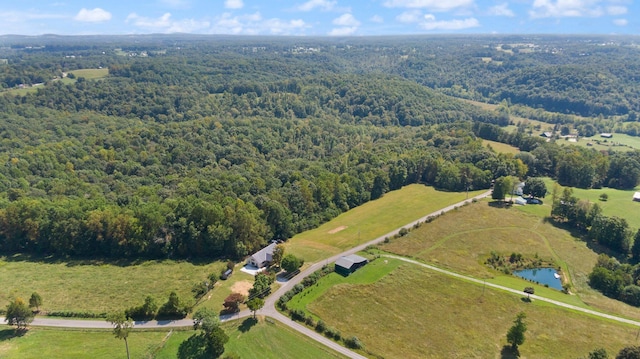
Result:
<point x="255" y="304"/>
<point x="35" y="301"/>
<point x="291" y="263"/>
<point x="19" y="314"/>
<point x="121" y="327"/>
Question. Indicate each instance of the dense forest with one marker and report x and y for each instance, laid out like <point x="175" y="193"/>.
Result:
<point x="196" y="146"/>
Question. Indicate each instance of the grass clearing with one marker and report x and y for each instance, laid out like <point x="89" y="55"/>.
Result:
<point x="619" y="143"/>
<point x="462" y="240"/>
<point x="411" y="304"/>
<point x="249" y="340"/>
<point x="62" y="344"/>
<point x="96" y="286"/>
<point x="376" y="270"/>
<point x="501" y="147"/>
<point x="371" y="220"/>
<point x="91" y="74"/>
<point x="618" y="204"/>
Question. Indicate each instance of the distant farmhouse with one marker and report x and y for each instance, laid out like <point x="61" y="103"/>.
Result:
<point x="547" y="134"/>
<point x="349" y="264"/>
<point x="263" y="257"/>
<point x="606" y="135"/>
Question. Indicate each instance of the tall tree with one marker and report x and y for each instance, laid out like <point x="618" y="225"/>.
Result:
<point x="255" y="304"/>
<point x="19" y="314"/>
<point x="536" y="187"/>
<point x="121" y="327"/>
<point x="501" y="188"/>
<point x="515" y="335"/>
<point x="291" y="263"/>
<point x="35" y="301"/>
<point x="278" y="253"/>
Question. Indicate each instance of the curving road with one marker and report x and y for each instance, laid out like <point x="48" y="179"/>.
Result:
<point x="269" y="308"/>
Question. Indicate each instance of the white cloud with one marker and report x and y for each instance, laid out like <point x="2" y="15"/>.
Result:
<point x="566" y="8"/>
<point x="255" y="24"/>
<point x="325" y="5"/>
<point x="95" y="15"/>
<point x="501" y="10"/>
<point x="430" y="23"/>
<point x="377" y="19"/>
<point x="409" y="17"/>
<point x="433" y="5"/>
<point x="19" y="16"/>
<point x="346" y="20"/>
<point x="343" y="31"/>
<point x="620" y="22"/>
<point x="233" y="4"/>
<point x="616" y="10"/>
<point x="166" y="24"/>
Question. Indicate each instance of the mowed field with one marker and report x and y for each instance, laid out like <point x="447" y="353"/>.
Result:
<point x="620" y="202"/>
<point x="416" y="313"/>
<point x="98" y="287"/>
<point x="371" y="220"/>
<point x="461" y="241"/>
<point x="620" y="143"/>
<point x="246" y="339"/>
<point x="501" y="147"/>
<point x="91" y="74"/>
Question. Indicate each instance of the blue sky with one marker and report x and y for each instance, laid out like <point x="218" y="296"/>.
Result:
<point x="319" y="17"/>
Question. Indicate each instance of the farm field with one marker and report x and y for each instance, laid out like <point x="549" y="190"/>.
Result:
<point x="260" y="340"/>
<point x="619" y="143"/>
<point x="371" y="220"/>
<point x="462" y="240"/>
<point x="412" y="303"/>
<point x="618" y="204"/>
<point x="91" y="74"/>
<point x="62" y="344"/>
<point x="96" y="286"/>
<point x="500" y="147"/>
<point x="263" y="339"/>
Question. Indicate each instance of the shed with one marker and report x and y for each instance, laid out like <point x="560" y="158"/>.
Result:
<point x="227" y="274"/>
<point x="606" y="135"/>
<point x="636" y="196"/>
<point x="348" y="264"/>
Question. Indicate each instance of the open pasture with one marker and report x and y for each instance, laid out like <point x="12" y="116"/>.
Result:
<point x="415" y="313"/>
<point x="371" y="220"/>
<point x="462" y="240"/>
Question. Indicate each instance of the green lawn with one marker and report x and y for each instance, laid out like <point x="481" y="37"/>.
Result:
<point x="619" y="142"/>
<point x="619" y="203"/>
<point x="248" y="340"/>
<point x="59" y="343"/>
<point x="501" y="147"/>
<point x="376" y="270"/>
<point x="416" y="313"/>
<point x="97" y="286"/>
<point x="371" y="220"/>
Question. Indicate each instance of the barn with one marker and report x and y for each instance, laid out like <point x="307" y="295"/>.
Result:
<point x="348" y="264"/>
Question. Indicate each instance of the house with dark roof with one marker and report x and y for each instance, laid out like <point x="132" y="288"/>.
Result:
<point x="348" y="264"/>
<point x="263" y="257"/>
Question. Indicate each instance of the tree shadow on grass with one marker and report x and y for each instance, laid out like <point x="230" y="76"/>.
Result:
<point x="195" y="347"/>
<point x="8" y="334"/>
<point x="247" y="324"/>
<point x="509" y="352"/>
<point x="500" y="204"/>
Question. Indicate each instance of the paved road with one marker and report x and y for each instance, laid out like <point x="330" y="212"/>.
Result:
<point x="519" y="292"/>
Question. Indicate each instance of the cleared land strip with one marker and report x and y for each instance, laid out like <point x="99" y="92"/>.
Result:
<point x="533" y="296"/>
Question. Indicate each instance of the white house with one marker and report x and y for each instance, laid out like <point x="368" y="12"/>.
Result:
<point x="636" y="196"/>
<point x="262" y="257"/>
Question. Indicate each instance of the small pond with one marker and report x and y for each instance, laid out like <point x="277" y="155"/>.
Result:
<point x="541" y="275"/>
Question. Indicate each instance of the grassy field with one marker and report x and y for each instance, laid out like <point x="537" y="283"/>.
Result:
<point x="500" y="147"/>
<point x="91" y="74"/>
<point x="371" y="220"/>
<point x="246" y="339"/>
<point x="619" y="203"/>
<point x="462" y="240"/>
<point x="416" y="313"/>
<point x="57" y="343"/>
<point x="249" y="339"/>
<point x="96" y="286"/>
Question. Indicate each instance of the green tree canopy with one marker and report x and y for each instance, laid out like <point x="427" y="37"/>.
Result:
<point x="122" y="325"/>
<point x="291" y="263"/>
<point x="19" y="314"/>
<point x="536" y="187"/>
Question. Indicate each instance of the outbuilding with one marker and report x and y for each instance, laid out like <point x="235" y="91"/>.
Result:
<point x="349" y="264"/>
<point x="636" y="196"/>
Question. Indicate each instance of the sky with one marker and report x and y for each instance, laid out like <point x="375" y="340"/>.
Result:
<point x="319" y="17"/>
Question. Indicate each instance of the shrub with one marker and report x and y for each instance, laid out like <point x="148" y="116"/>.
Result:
<point x="403" y="232"/>
<point x="298" y="315"/>
<point x="309" y="321"/>
<point x="353" y="343"/>
<point x="321" y="326"/>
